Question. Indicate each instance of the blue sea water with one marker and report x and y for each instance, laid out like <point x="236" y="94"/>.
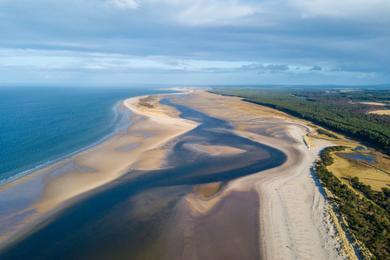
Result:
<point x="42" y="124"/>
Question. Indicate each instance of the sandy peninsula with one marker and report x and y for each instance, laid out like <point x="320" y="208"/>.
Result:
<point x="140" y="146"/>
<point x="293" y="217"/>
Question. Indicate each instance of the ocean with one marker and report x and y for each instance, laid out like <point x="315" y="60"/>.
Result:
<point x="39" y="125"/>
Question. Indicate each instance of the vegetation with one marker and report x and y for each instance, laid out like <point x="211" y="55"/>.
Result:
<point x="336" y="110"/>
<point x="382" y="198"/>
<point x="367" y="215"/>
<point x="148" y="102"/>
<point x="347" y="164"/>
<point x="327" y="133"/>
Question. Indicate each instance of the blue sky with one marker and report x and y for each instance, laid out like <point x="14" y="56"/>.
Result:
<point x="194" y="42"/>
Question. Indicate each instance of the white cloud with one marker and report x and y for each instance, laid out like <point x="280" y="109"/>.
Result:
<point x="259" y="36"/>
<point x="55" y="61"/>
<point x="236" y="12"/>
<point x="342" y="8"/>
<point x="220" y="12"/>
<point x="194" y="12"/>
<point x="125" y="4"/>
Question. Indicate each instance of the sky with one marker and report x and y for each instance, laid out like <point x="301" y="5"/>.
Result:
<point x="194" y="42"/>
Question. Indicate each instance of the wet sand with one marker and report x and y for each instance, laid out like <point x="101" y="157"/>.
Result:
<point x="228" y="231"/>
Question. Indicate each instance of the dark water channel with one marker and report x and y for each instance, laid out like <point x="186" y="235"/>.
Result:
<point x="124" y="219"/>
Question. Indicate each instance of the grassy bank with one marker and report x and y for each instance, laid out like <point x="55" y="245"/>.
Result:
<point x="376" y="173"/>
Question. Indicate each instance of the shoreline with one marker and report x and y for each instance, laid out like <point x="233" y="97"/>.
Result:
<point x="40" y="165"/>
<point x="40" y="195"/>
<point x="117" y="126"/>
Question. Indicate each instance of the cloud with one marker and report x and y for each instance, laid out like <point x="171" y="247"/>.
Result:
<point x="316" y="68"/>
<point x="125" y="4"/>
<point x="248" y="40"/>
<point x="220" y="12"/>
<point x="342" y="8"/>
<point x="266" y="68"/>
<point x="195" y="12"/>
<point x="48" y="61"/>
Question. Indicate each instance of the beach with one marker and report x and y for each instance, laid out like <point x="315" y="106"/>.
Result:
<point x="232" y="181"/>
<point x="293" y="217"/>
<point x="42" y="193"/>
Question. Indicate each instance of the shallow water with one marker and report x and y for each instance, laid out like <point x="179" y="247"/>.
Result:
<point x="125" y="219"/>
<point x="359" y="156"/>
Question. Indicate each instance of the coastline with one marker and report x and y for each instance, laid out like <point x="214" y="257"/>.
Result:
<point x="117" y="125"/>
<point x="275" y="213"/>
<point x="47" y="190"/>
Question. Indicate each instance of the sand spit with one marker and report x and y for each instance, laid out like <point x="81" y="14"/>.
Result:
<point x="213" y="150"/>
<point x="293" y="221"/>
<point x="372" y="103"/>
<point x="41" y="193"/>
